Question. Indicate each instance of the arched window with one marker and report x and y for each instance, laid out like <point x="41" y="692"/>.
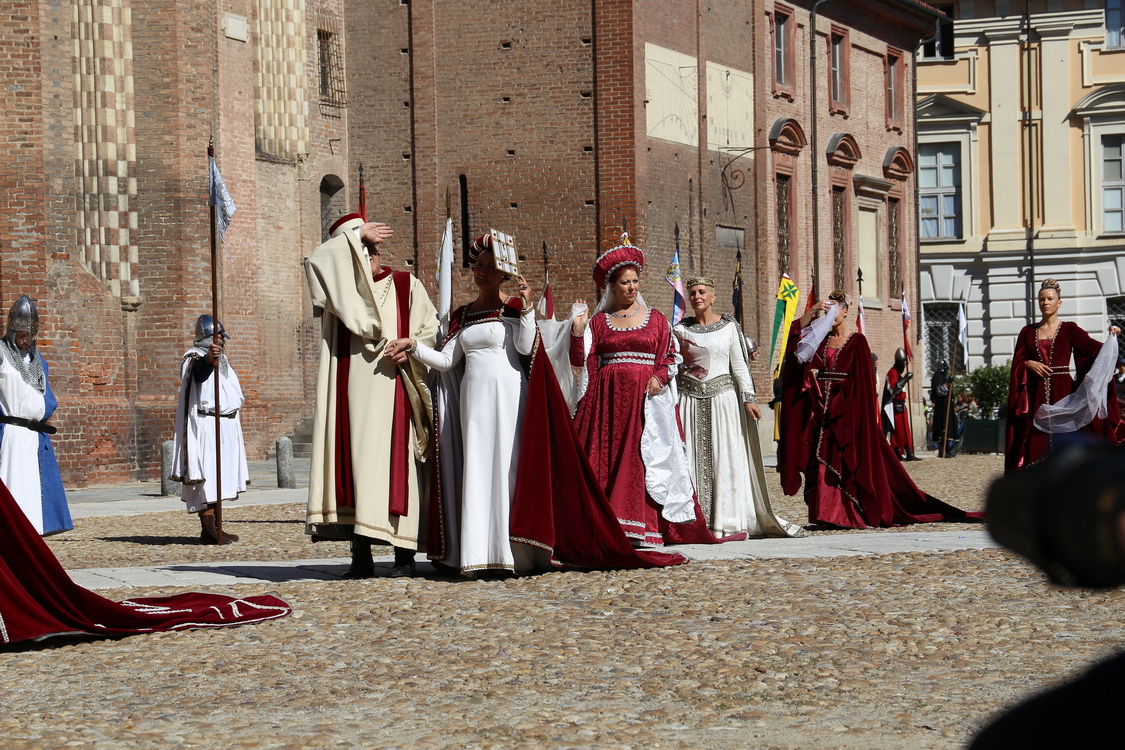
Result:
<point x="332" y="203"/>
<point x="786" y="139"/>
<point x="843" y="153"/>
<point x="897" y="167"/>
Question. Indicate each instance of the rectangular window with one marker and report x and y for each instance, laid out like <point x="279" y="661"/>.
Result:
<point x="1113" y="29"/>
<point x="783" y="60"/>
<point x="1115" y="309"/>
<point x="330" y="75"/>
<point x="839" y="238"/>
<point x="783" y="198"/>
<point x="941" y="337"/>
<point x="839" y="53"/>
<point x="1113" y="185"/>
<point x="942" y="47"/>
<point x="893" y="73"/>
<point x="939" y="190"/>
<point x="781" y="70"/>
<point x="894" y="274"/>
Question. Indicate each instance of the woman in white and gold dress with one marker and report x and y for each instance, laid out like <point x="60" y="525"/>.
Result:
<point x="719" y="414"/>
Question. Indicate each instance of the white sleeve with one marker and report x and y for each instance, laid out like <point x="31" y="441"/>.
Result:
<point x="738" y="365"/>
<point x="525" y="336"/>
<point x="443" y="360"/>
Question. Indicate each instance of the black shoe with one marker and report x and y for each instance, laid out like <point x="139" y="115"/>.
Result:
<point x="362" y="565"/>
<point x="406" y="570"/>
<point x="358" y="573"/>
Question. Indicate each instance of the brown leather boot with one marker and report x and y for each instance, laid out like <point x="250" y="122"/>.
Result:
<point x="209" y="532"/>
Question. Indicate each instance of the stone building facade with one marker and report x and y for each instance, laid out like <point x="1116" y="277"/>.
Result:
<point x="108" y="107"/>
<point x="1021" y="120"/>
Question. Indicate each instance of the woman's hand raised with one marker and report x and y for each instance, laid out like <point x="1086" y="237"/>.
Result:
<point x="815" y="310"/>
<point x="578" y="327"/>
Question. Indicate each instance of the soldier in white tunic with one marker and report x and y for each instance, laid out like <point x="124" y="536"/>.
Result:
<point x="27" y="460"/>
<point x="193" y="461"/>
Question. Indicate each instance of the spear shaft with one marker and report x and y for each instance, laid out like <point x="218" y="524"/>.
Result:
<point x="218" y="340"/>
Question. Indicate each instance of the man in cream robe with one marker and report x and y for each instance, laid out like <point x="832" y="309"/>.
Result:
<point x="372" y="427"/>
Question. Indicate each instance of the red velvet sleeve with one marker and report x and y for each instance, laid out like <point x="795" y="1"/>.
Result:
<point x="1085" y="350"/>
<point x="796" y="413"/>
<point x="665" y="353"/>
<point x="1018" y="398"/>
<point x="578" y="349"/>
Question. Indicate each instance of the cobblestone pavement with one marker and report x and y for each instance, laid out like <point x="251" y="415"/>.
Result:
<point x="909" y="650"/>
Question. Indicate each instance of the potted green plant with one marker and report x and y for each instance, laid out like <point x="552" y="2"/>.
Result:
<point x="988" y="384"/>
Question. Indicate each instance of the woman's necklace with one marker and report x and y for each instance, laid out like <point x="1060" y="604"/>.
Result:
<point x="625" y="315"/>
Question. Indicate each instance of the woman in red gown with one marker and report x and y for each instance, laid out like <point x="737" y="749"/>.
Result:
<point x="830" y="432"/>
<point x="628" y="353"/>
<point x="1041" y="375"/>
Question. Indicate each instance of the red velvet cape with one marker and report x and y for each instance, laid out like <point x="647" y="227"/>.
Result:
<point x="1026" y="444"/>
<point x="559" y="504"/>
<point x="835" y="423"/>
<point x="38" y="599"/>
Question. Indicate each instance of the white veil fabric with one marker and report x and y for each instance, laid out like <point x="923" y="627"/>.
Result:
<point x="1072" y="413"/>
<point x="814" y="333"/>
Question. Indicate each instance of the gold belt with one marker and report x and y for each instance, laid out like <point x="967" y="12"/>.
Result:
<point x="706" y="388"/>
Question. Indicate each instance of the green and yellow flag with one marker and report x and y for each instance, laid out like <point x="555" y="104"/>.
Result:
<point x="787" y="298"/>
<point x="786" y="308"/>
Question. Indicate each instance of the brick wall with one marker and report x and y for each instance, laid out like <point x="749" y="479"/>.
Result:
<point x="114" y="355"/>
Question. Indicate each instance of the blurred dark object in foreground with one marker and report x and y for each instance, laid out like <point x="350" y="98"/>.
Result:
<point x="1081" y="714"/>
<point x="1065" y="514"/>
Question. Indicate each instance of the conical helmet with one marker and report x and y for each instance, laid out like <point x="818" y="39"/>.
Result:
<point x="24" y="316"/>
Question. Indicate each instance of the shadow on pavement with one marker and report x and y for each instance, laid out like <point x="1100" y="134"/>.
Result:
<point x="153" y="540"/>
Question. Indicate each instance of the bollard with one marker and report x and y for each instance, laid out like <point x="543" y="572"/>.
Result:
<point x="285" y="478"/>
<point x="167" y="486"/>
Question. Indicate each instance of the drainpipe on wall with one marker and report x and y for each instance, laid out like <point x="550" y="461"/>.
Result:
<point x="815" y="146"/>
<point x="935" y="37"/>
<point x="1028" y="159"/>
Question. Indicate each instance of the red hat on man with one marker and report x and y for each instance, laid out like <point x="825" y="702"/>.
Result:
<point x="350" y="221"/>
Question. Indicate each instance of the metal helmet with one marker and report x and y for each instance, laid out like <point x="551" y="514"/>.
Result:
<point x="205" y="328"/>
<point x="900" y="356"/>
<point x="24" y="316"/>
<point x="751" y="346"/>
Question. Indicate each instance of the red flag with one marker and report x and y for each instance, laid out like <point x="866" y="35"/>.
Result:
<point x="812" y="298"/>
<point x="546" y="306"/>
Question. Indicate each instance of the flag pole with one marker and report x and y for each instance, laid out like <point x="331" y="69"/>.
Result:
<point x="363" y="196"/>
<point x="218" y="340"/>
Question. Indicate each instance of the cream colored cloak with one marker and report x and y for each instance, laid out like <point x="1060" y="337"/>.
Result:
<point x="340" y="281"/>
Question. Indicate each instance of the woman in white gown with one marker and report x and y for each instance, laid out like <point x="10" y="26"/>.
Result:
<point x="719" y="415"/>
<point x="480" y="401"/>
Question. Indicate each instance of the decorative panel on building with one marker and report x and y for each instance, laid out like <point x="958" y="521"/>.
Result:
<point x="281" y="107"/>
<point x="105" y="142"/>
